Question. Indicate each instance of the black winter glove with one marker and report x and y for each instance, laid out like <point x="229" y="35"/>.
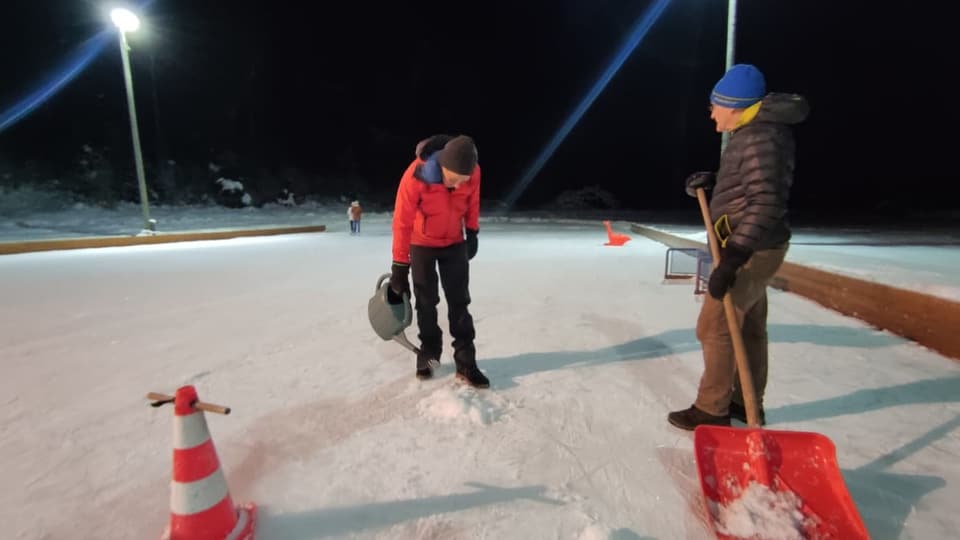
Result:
<point x="722" y="278"/>
<point x="704" y="179"/>
<point x="472" y="243"/>
<point x="399" y="282"/>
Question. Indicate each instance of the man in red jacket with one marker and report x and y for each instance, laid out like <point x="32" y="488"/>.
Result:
<point x="437" y="202"/>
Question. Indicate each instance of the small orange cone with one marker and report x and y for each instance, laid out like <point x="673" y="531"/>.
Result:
<point x="200" y="504"/>
<point x="615" y="239"/>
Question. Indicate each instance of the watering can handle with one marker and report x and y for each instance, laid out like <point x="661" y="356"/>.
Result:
<point x="380" y="281"/>
<point x="408" y="312"/>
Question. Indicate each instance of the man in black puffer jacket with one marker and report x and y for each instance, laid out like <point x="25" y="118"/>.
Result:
<point x="748" y="208"/>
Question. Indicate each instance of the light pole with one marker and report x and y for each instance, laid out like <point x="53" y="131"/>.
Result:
<point x="731" y="44"/>
<point x="126" y="21"/>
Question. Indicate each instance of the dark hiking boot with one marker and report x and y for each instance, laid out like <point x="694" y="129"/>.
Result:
<point x="689" y="419"/>
<point x="427" y="363"/>
<point x="467" y="371"/>
<point x="473" y="376"/>
<point x="739" y="412"/>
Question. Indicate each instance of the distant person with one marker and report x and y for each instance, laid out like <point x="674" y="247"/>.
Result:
<point x="749" y="208"/>
<point x="354" y="214"/>
<point x="435" y="226"/>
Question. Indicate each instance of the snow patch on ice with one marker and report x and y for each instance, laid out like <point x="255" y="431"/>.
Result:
<point x="563" y="494"/>
<point x="426" y="528"/>
<point x="462" y="404"/>
<point x="595" y="531"/>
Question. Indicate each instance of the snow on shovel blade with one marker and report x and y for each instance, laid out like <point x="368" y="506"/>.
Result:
<point x="760" y="483"/>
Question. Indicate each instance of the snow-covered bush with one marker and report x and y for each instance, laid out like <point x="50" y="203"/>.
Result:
<point x="288" y="198"/>
<point x="232" y="194"/>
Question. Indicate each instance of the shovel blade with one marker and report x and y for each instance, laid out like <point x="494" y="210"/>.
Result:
<point x="760" y="483"/>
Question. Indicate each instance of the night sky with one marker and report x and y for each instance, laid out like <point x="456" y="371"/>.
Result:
<point x="347" y="89"/>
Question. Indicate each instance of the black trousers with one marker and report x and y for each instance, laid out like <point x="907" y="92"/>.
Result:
<point x="454" y="270"/>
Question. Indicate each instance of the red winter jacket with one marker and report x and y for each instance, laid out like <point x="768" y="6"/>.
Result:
<point x="430" y="214"/>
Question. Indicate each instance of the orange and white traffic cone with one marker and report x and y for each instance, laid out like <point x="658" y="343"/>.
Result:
<point x="200" y="504"/>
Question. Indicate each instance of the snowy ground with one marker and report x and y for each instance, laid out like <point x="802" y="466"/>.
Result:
<point x="333" y="437"/>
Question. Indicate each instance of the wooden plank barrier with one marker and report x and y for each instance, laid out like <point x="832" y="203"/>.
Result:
<point x="9" y="248"/>
<point x="928" y="320"/>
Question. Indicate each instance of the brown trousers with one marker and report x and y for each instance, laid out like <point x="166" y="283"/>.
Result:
<point x="720" y="382"/>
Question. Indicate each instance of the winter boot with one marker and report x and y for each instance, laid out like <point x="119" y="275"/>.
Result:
<point x="739" y="412"/>
<point x="689" y="419"/>
<point x="473" y="376"/>
<point x="467" y="370"/>
<point x="427" y="362"/>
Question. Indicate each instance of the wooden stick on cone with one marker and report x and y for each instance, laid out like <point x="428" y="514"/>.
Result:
<point x="160" y="399"/>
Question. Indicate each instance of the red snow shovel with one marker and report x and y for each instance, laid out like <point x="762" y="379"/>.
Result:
<point x="761" y="483"/>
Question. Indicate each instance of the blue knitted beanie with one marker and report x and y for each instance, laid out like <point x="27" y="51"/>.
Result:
<point x="741" y="86"/>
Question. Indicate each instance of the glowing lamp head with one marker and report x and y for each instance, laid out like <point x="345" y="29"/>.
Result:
<point x="125" y="20"/>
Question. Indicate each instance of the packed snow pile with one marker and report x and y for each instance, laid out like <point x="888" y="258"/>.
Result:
<point x="461" y="404"/>
<point x="762" y="514"/>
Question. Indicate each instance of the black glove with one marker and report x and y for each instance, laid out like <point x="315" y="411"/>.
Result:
<point x="472" y="243"/>
<point x="732" y="257"/>
<point x="704" y="179"/>
<point x="399" y="284"/>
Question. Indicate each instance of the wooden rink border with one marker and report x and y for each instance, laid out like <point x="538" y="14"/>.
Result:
<point x="30" y="246"/>
<point x="928" y="320"/>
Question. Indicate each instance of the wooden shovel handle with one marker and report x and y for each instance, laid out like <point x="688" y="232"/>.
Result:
<point x="199" y="405"/>
<point x="739" y="349"/>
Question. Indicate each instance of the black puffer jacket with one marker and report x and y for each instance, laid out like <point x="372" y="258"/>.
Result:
<point x="756" y="172"/>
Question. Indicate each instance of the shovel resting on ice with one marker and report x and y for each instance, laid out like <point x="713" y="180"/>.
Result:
<point x="761" y="483"/>
<point x="390" y="320"/>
